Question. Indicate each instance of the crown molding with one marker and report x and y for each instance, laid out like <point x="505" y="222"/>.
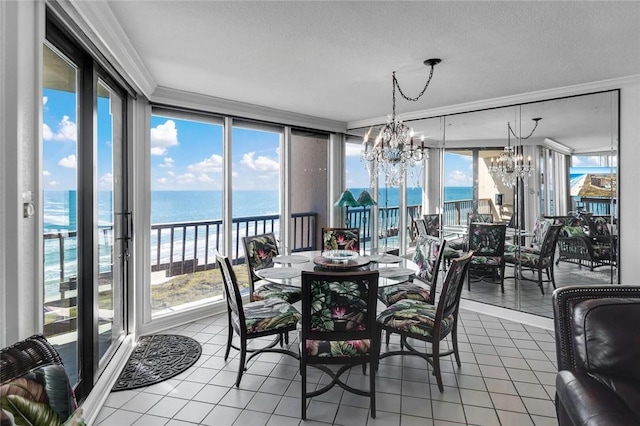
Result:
<point x="179" y="98"/>
<point x="541" y="95"/>
<point x="100" y="25"/>
<point x="557" y="146"/>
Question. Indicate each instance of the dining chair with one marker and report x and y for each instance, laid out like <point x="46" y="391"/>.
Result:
<point x="259" y="253"/>
<point x="432" y="222"/>
<point x="486" y="240"/>
<point x="421" y="227"/>
<point x="462" y="243"/>
<point x="338" y="327"/>
<point x="341" y="239"/>
<point x="429" y="323"/>
<point x="268" y="317"/>
<point x="428" y="256"/>
<point x="537" y="260"/>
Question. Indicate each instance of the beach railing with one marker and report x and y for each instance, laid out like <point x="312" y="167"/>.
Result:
<point x="455" y="212"/>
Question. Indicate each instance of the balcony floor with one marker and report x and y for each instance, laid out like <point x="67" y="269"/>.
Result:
<point x="507" y="377"/>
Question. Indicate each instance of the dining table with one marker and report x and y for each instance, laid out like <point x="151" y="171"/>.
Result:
<point x="287" y="269"/>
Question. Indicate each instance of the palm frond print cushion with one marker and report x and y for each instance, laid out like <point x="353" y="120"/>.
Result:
<point x="338" y="306"/>
<point x="344" y="239"/>
<point x="261" y="251"/>
<point x="414" y="317"/>
<point x="268" y="314"/>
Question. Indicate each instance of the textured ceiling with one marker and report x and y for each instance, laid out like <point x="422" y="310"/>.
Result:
<point x="334" y="59"/>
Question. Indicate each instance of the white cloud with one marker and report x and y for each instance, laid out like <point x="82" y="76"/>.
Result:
<point x="235" y="174"/>
<point x="170" y="173"/>
<point x="187" y="178"/>
<point x="353" y="149"/>
<point x="203" y="177"/>
<point x="67" y="131"/>
<point x="45" y="173"/>
<point x="163" y="136"/>
<point x="459" y="178"/>
<point x="54" y="183"/>
<point x="69" y="162"/>
<point x="212" y="164"/>
<point x="261" y="164"/>
<point x="45" y="99"/>
<point x="106" y="181"/>
<point x="162" y="181"/>
<point x="168" y="162"/>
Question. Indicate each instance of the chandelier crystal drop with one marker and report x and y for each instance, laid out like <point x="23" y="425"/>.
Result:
<point x="393" y="150"/>
<point x="510" y="165"/>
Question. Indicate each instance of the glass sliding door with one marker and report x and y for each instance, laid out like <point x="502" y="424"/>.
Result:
<point x="186" y="209"/>
<point x="84" y="209"/>
<point x="60" y="209"/>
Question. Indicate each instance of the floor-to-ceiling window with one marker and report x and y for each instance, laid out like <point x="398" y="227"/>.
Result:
<point x="186" y="209"/>
<point x="84" y="210"/>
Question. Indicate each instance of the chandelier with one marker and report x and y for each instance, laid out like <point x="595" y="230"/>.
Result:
<point x="394" y="149"/>
<point x="510" y="165"/>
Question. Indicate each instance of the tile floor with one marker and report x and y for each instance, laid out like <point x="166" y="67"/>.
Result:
<point x="507" y="378"/>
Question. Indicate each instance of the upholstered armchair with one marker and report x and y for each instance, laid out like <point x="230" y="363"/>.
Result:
<point x="598" y="380"/>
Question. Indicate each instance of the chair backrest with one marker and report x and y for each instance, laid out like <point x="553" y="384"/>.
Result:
<point x="548" y="247"/>
<point x="421" y="226"/>
<point x="540" y="230"/>
<point x="452" y="287"/>
<point x="231" y="291"/>
<point x="339" y="306"/>
<point x="259" y="251"/>
<point x="479" y="217"/>
<point x="428" y="256"/>
<point x="341" y="239"/>
<point x="487" y="239"/>
<point x="432" y="222"/>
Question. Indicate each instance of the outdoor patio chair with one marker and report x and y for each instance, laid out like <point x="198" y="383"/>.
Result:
<point x="339" y="327"/>
<point x="259" y="253"/>
<point x="413" y="319"/>
<point x="268" y="317"/>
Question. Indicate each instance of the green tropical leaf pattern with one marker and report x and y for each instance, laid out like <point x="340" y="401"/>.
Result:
<point x="341" y="239"/>
<point x="268" y="314"/>
<point x="414" y="317"/>
<point x="285" y="292"/>
<point x="392" y="293"/>
<point x="338" y="305"/>
<point x="338" y="348"/>
<point x="260" y="251"/>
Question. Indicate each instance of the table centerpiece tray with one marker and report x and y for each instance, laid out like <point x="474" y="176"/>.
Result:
<point x="341" y="259"/>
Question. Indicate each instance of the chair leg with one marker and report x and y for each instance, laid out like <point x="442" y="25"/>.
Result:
<point x="436" y="363"/>
<point x="552" y="278"/>
<point x="454" y="342"/>
<point x="303" y="399"/>
<point x="372" y="389"/>
<point x="540" y="280"/>
<point x="229" y="339"/>
<point x="502" y="277"/>
<point x="388" y="337"/>
<point x="243" y="360"/>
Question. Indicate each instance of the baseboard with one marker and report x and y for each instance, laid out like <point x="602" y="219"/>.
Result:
<point x="509" y="314"/>
<point x="92" y="405"/>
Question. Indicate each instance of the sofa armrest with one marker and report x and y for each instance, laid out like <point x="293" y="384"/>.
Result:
<point x="586" y="401"/>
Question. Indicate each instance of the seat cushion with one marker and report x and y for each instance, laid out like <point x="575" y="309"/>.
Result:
<point x="486" y="260"/>
<point x="269" y="314"/>
<point x="288" y="293"/>
<point x="390" y="294"/>
<point x="413" y="317"/>
<point x="338" y="348"/>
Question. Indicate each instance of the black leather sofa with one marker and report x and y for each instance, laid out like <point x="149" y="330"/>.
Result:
<point x="598" y="348"/>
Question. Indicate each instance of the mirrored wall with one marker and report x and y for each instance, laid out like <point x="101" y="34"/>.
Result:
<point x="565" y="174"/>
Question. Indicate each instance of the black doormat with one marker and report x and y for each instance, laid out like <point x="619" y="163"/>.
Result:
<point x="156" y="358"/>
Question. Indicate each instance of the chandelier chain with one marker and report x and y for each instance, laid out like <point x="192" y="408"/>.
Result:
<point x="396" y="84"/>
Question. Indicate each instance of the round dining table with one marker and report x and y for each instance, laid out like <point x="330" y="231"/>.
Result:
<point x="287" y="269"/>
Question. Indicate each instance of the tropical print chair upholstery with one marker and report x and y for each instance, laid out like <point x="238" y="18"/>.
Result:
<point x="540" y="229"/>
<point x="428" y="257"/>
<point x="269" y="317"/>
<point x="422" y="321"/>
<point x="338" y="327"/>
<point x="432" y="222"/>
<point x="486" y="240"/>
<point x="341" y="239"/>
<point x="463" y="242"/>
<point x="537" y="261"/>
<point x="260" y="251"/>
<point x="421" y="227"/>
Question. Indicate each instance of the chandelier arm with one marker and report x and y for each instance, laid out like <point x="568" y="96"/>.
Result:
<point x="396" y="84"/>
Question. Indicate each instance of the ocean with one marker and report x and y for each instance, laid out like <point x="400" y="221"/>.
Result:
<point x="170" y="207"/>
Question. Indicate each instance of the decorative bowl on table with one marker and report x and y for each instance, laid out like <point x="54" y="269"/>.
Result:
<point x="340" y="256"/>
